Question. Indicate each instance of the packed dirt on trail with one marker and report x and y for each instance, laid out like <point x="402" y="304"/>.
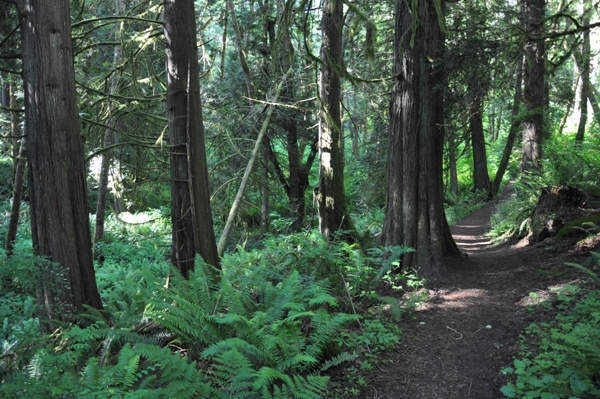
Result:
<point x="467" y="332"/>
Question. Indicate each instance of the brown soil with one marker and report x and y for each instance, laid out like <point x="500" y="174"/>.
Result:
<point x="467" y="332"/>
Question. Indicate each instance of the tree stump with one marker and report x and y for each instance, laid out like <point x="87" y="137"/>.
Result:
<point x="556" y="206"/>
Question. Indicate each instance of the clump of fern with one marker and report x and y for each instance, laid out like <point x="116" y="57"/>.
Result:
<point x="270" y="327"/>
<point x="259" y="336"/>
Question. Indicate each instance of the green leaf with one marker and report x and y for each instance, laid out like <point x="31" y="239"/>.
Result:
<point x="578" y="386"/>
<point x="519" y="364"/>
<point x="509" y="390"/>
<point x="548" y="378"/>
<point x="535" y="382"/>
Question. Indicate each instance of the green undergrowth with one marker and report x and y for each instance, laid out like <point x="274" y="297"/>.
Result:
<point x="277" y="323"/>
<point x="561" y="358"/>
<point x="565" y="162"/>
<point x="512" y="214"/>
<point x="461" y="206"/>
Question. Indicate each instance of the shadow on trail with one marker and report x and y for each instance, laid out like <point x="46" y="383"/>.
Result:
<point x="460" y="339"/>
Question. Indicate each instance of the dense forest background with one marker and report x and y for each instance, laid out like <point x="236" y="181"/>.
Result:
<point x="227" y="198"/>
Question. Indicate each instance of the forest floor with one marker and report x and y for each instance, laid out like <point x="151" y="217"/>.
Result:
<point x="459" y="340"/>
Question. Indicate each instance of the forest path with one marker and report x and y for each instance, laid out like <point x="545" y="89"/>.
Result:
<point x="459" y="341"/>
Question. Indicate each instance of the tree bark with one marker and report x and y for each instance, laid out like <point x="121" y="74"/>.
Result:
<point x="331" y="199"/>
<point x="57" y="180"/>
<point x="240" y="193"/>
<point x="20" y="164"/>
<point x="264" y="180"/>
<point x="515" y="123"/>
<point x="567" y="112"/>
<point x="414" y="214"/>
<point x="593" y="96"/>
<point x="193" y="231"/>
<point x="108" y="134"/>
<point x="534" y="89"/>
<point x="585" y="75"/>
<point x="481" y="178"/>
<point x="452" y="166"/>
<point x="15" y="202"/>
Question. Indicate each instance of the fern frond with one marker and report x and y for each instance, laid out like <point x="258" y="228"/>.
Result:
<point x="266" y="377"/>
<point x="178" y="378"/>
<point x="337" y="360"/>
<point x="323" y="299"/>
<point x="309" y="387"/>
<point x="297" y="363"/>
<point x="238" y="344"/>
<point x="326" y="329"/>
<point x="236" y="373"/>
<point x="185" y="318"/>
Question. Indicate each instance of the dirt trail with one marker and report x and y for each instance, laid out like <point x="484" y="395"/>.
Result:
<point x="459" y="341"/>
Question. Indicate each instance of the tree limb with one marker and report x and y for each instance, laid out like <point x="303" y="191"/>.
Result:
<point x="240" y="193"/>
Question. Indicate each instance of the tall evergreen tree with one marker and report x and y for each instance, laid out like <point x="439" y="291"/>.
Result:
<point x="534" y="84"/>
<point x="331" y="199"/>
<point x="193" y="231"/>
<point x="59" y="210"/>
<point x="415" y="214"/>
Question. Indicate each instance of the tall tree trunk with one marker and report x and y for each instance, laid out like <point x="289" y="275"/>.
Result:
<point x="481" y="179"/>
<point x="264" y="192"/>
<point x="283" y="55"/>
<point x="515" y="123"/>
<point x="60" y="223"/>
<point x="224" y="42"/>
<point x="15" y="121"/>
<point x="534" y="90"/>
<point x="9" y="100"/>
<point x="193" y="231"/>
<point x="108" y="133"/>
<point x="414" y="213"/>
<point x="17" y="195"/>
<point x="452" y="165"/>
<point x="585" y="74"/>
<point x="593" y="96"/>
<point x="331" y="199"/>
<point x="567" y="112"/>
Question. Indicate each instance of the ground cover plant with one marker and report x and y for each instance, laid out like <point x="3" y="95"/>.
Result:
<point x="273" y="325"/>
<point x="560" y="358"/>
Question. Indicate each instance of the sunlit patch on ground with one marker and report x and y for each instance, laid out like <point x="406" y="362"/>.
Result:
<point x="534" y="298"/>
<point x="538" y="297"/>
<point x="453" y="299"/>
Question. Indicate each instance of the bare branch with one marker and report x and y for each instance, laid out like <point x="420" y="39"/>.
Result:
<point x="116" y="19"/>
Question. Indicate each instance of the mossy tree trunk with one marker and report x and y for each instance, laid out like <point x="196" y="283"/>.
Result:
<point x="331" y="199"/>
